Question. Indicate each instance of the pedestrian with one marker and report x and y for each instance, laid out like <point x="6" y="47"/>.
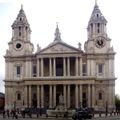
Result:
<point x="3" y="113"/>
<point x="8" y="113"/>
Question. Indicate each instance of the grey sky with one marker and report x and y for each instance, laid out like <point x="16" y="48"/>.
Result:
<point x="73" y="17"/>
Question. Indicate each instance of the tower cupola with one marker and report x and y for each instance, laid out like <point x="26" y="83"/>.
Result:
<point x="20" y="27"/>
<point x="97" y="23"/>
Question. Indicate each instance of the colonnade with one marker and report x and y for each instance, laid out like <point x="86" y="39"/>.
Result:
<point x="66" y="66"/>
<point x="66" y="91"/>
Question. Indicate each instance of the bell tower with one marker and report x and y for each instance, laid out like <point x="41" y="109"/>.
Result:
<point x="100" y="59"/>
<point x="98" y="40"/>
<point x="20" y="43"/>
<point x="97" y="24"/>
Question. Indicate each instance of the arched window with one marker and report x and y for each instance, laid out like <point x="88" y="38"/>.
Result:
<point x="98" y="27"/>
<point x="97" y="15"/>
<point x="20" y="19"/>
<point x="19" y="30"/>
<point x="26" y="28"/>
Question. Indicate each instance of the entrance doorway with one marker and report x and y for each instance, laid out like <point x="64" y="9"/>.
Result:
<point x="59" y="90"/>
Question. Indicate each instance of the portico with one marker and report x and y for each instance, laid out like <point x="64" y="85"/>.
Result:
<point x="73" y="95"/>
<point x="54" y="66"/>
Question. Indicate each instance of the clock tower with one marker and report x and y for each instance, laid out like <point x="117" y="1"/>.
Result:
<point x="20" y="43"/>
<point x="98" y="40"/>
<point x="100" y="58"/>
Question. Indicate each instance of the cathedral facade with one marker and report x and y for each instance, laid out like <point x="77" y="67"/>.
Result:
<point x="83" y="77"/>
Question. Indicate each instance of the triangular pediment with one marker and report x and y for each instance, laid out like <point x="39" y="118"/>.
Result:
<point x="59" y="47"/>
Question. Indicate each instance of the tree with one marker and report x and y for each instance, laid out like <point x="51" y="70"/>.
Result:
<point x="117" y="102"/>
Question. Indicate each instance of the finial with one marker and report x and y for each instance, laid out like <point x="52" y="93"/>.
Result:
<point x="57" y="24"/>
<point x="95" y="2"/>
<point x="21" y="6"/>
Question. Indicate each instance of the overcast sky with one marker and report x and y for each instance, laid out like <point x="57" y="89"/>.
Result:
<point x="73" y="17"/>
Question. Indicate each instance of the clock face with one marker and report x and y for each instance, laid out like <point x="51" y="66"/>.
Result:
<point x="18" y="45"/>
<point x="100" y="42"/>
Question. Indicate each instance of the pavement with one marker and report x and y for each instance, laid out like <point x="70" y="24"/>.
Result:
<point x="34" y="117"/>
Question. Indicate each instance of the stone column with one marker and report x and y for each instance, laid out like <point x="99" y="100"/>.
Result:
<point x="76" y="66"/>
<point x="68" y="66"/>
<point x="80" y="89"/>
<point x="94" y="30"/>
<point x="110" y="95"/>
<point x="93" y="71"/>
<point x="30" y="96"/>
<point x="113" y="97"/>
<point x="93" y="95"/>
<point x="50" y="96"/>
<point x="89" y="96"/>
<point x="42" y="68"/>
<point x="6" y="98"/>
<point x="64" y="65"/>
<point x="76" y="96"/>
<point x="88" y="67"/>
<point x="25" y="96"/>
<point x="68" y="96"/>
<point x="64" y="90"/>
<point x="80" y="66"/>
<point x="42" y="96"/>
<point x="50" y="67"/>
<point x="30" y="73"/>
<point x="38" y="68"/>
<point x="38" y="96"/>
<point x="54" y="66"/>
<point x="54" y="95"/>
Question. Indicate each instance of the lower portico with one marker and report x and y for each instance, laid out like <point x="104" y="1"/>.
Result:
<point x="47" y="95"/>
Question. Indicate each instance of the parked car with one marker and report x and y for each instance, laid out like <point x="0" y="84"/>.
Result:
<point x="82" y="114"/>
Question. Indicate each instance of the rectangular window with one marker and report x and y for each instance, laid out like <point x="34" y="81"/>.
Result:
<point x="19" y="33"/>
<point x="84" y="69"/>
<point x="18" y="68"/>
<point x="18" y="96"/>
<point x="100" y="96"/>
<point x="34" y="71"/>
<point x="100" y="68"/>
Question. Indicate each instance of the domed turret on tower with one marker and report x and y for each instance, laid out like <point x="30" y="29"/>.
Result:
<point x="98" y="40"/>
<point x="21" y="28"/>
<point x="97" y="23"/>
<point x="20" y="43"/>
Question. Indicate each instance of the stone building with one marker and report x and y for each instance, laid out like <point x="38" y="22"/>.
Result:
<point x="84" y="77"/>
